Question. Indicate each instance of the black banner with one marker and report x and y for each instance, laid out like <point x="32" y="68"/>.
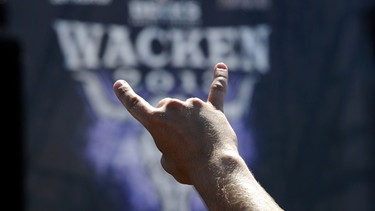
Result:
<point x="301" y="97"/>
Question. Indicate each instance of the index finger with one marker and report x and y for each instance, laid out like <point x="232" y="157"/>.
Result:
<point x="138" y="107"/>
<point x="219" y="85"/>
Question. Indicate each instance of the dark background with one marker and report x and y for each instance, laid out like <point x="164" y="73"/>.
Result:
<point x="11" y="66"/>
<point x="313" y="113"/>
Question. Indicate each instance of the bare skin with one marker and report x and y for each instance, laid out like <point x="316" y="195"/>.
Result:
<point x="199" y="146"/>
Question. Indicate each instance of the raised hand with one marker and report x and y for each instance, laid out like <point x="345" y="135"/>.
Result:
<point x="199" y="147"/>
<point x="188" y="133"/>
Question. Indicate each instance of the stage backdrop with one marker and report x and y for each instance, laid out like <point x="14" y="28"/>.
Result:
<point x="83" y="150"/>
<point x="300" y="97"/>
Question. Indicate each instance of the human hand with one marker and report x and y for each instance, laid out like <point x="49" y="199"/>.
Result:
<point x="199" y="147"/>
<point x="190" y="134"/>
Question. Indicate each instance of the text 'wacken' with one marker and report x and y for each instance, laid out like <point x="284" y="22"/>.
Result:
<point x="88" y="46"/>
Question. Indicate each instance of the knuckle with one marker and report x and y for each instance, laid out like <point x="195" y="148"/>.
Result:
<point x="133" y="102"/>
<point x="174" y="104"/>
<point x="220" y="84"/>
<point x="163" y="102"/>
<point x="196" y="102"/>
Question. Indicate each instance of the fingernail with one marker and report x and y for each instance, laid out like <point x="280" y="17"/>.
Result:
<point x="119" y="83"/>
<point x="221" y="66"/>
<point x="122" y="82"/>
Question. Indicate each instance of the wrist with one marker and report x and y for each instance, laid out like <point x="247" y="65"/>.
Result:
<point x="228" y="184"/>
<point x="221" y="166"/>
<point x="214" y="180"/>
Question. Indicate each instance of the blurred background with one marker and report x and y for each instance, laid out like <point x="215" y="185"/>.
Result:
<point x="301" y="97"/>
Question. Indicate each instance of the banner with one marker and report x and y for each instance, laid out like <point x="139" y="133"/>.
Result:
<point x="300" y="97"/>
<point x="86" y="150"/>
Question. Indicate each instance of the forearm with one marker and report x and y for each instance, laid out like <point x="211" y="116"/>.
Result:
<point x="234" y="186"/>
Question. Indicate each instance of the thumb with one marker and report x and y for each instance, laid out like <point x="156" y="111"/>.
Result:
<point x="219" y="85"/>
<point x="139" y="108"/>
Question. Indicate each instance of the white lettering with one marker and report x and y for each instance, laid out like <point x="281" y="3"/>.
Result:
<point x="119" y="50"/>
<point x="132" y="76"/>
<point x="150" y="46"/>
<point x="172" y="12"/>
<point x="254" y="48"/>
<point x="187" y="52"/>
<point x="80" y="43"/>
<point x="188" y="81"/>
<point x="221" y="46"/>
<point x="159" y="81"/>
<point x="242" y="48"/>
